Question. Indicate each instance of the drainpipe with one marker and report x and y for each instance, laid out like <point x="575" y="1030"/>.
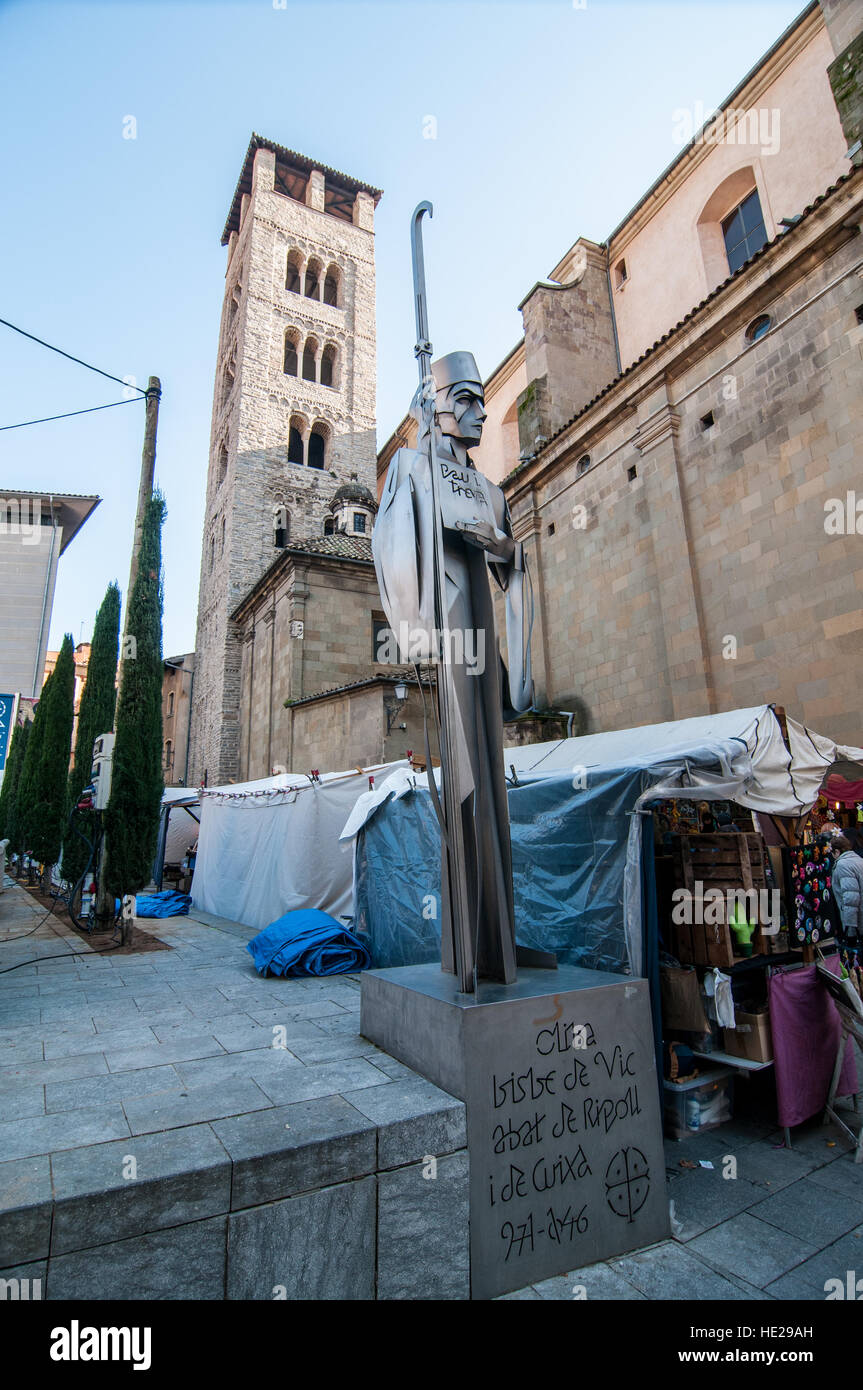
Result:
<point x="611" y="307"/>
<point x="39" y="654"/>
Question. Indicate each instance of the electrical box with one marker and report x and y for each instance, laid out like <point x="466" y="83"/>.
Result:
<point x="100" y="773"/>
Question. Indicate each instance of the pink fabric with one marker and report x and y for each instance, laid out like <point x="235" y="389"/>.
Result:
<point x="806" y="1032"/>
<point x="838" y="789"/>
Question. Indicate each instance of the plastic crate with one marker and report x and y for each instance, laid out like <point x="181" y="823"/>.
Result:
<point x="704" y="1103"/>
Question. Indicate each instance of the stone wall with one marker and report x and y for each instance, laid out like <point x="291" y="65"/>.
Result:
<point x="689" y="568"/>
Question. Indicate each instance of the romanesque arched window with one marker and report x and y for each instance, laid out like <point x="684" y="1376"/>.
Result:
<point x="313" y="280"/>
<point x="310" y="354"/>
<point x="228" y="381"/>
<point x="222" y="462"/>
<point x="281" y="526"/>
<point x="318" y="446"/>
<point x="331" y="286"/>
<point x="291" y="364"/>
<point x="328" y="365"/>
<point x="296" y="432"/>
<point x="294" y="273"/>
<point x="330" y="526"/>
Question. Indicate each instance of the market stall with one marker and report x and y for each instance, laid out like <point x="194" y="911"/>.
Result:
<point x="606" y="830"/>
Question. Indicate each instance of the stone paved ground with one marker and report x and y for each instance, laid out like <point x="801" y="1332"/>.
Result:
<point x="790" y="1220"/>
<point x="97" y="1048"/>
<point x="176" y="1049"/>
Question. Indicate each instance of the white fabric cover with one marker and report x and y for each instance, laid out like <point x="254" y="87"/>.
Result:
<point x="268" y="847"/>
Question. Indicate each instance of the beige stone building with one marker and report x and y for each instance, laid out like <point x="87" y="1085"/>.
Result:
<point x="688" y="401"/>
<point x="82" y="662"/>
<point x="178" y="684"/>
<point x="293" y="413"/>
<point x="35" y="531"/>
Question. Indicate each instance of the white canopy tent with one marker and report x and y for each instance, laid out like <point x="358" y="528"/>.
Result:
<point x="270" y="846"/>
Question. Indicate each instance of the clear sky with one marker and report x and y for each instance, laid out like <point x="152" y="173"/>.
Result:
<point x="551" y="120"/>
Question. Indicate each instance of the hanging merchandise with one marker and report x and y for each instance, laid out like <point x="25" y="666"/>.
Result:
<point x="809" y="870"/>
<point x="718" y="989"/>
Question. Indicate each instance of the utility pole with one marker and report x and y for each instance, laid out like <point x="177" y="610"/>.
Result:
<point x="145" y="491"/>
<point x="152" y="396"/>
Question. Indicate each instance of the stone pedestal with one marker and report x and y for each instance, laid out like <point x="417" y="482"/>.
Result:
<point x="564" y="1130"/>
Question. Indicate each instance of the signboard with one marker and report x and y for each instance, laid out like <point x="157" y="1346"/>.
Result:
<point x="565" y="1136"/>
<point x="7" y="715"/>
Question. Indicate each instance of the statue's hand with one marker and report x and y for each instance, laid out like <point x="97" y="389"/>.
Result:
<point x="497" y="543"/>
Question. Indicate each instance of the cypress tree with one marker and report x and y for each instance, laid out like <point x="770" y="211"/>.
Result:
<point x="41" y="796"/>
<point x="11" y="778"/>
<point x="95" y="716"/>
<point x="137" y="782"/>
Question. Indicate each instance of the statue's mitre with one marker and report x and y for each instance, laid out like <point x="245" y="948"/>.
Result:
<point x="454" y="368"/>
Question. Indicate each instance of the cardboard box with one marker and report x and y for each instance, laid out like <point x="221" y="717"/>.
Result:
<point x="751" y="1039"/>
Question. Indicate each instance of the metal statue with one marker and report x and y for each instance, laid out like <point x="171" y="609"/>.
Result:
<point x="442" y="529"/>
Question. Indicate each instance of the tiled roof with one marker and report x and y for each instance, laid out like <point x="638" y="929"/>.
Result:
<point x="338" y="547"/>
<point x="342" y="546"/>
<point x="768" y="245"/>
<point x="401" y="675"/>
<point x="299" y="161"/>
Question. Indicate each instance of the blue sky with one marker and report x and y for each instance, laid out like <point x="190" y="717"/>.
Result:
<point x="552" y="120"/>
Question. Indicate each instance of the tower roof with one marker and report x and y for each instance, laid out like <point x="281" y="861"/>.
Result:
<point x="298" y="162"/>
<point x="353" y="492"/>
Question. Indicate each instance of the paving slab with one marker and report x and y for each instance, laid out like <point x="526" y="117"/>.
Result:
<point x="319" y="1246"/>
<point x="598" y="1281"/>
<point x="25" y="1209"/>
<point x="751" y="1249"/>
<point x="18" y="1105"/>
<point x="322" y="1079"/>
<point x="119" y="1039"/>
<point x="844" y="1175"/>
<point x="668" y="1271"/>
<point x="42" y="1134"/>
<point x="835" y="1260"/>
<point x="180" y="1050"/>
<point x="108" y="1192"/>
<point x="279" y="1152"/>
<point x="702" y="1198"/>
<point x="423" y="1231"/>
<point x="114" y="1086"/>
<point x="814" y="1213"/>
<point x="161" y="1110"/>
<point x="185" y="1262"/>
<point x="60" y="1069"/>
<point x="256" y="1063"/>
<point x="415" y="1119"/>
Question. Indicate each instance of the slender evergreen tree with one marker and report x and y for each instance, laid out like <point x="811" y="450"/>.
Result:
<point x="9" y="790"/>
<point x="41" y="796"/>
<point x="95" y="716"/>
<point x="137" y="781"/>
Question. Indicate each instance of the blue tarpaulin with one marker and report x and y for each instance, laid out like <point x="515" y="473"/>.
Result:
<point x="307" y="942"/>
<point x="569" y="851"/>
<point x="167" y="904"/>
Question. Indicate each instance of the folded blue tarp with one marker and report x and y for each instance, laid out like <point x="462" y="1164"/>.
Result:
<point x="167" y="904"/>
<point x="307" y="942"/>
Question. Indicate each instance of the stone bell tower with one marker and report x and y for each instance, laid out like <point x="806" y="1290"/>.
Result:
<point x="293" y="404"/>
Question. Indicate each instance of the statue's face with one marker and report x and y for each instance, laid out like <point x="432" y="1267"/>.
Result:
<point x="460" y="412"/>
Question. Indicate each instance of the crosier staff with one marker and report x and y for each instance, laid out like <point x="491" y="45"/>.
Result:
<point x="454" y="877"/>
